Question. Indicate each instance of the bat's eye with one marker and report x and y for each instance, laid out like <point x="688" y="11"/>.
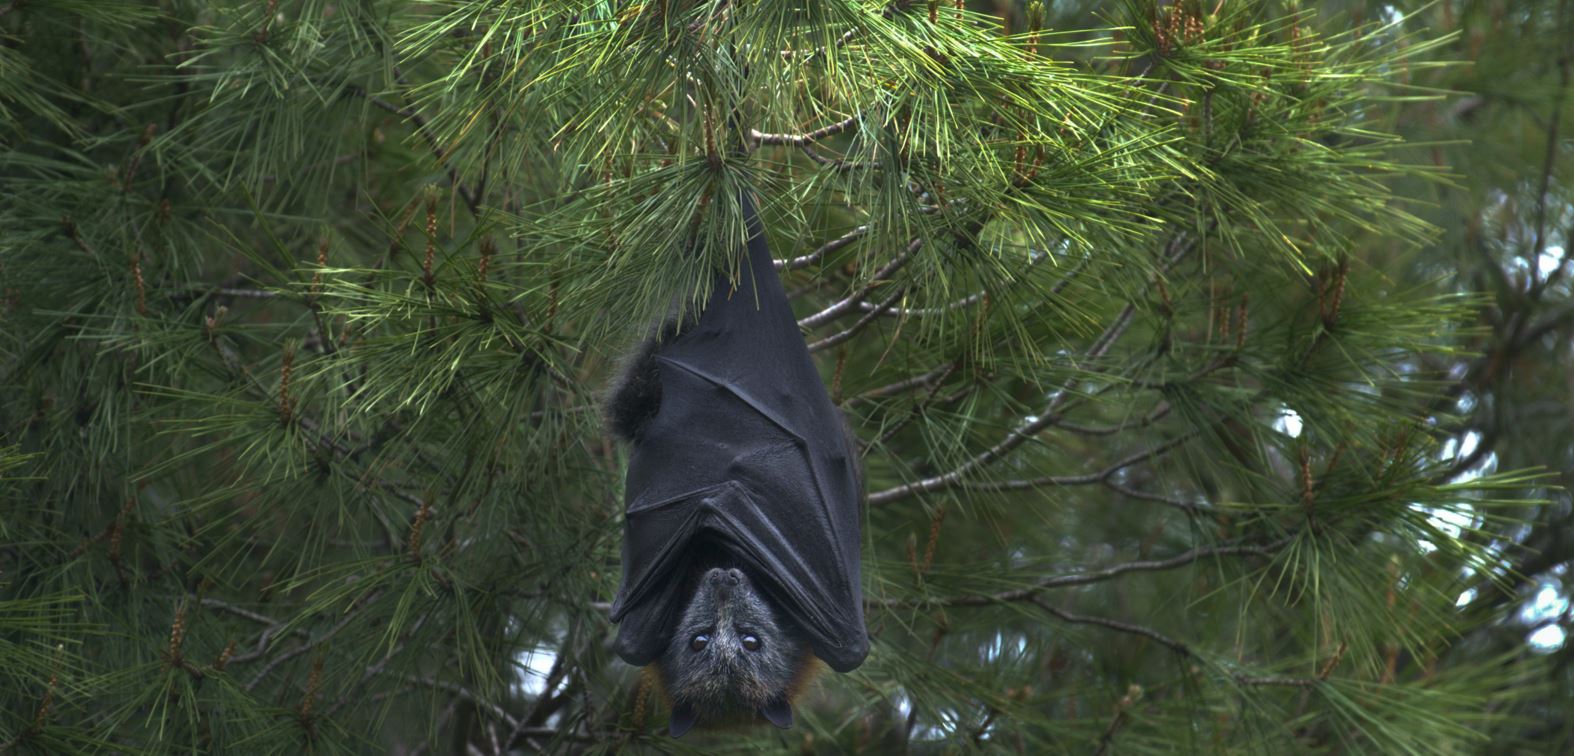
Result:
<point x="701" y="641"/>
<point x="751" y="642"/>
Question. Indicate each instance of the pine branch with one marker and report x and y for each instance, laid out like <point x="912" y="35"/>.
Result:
<point x="306" y="423"/>
<point x="1116" y="625"/>
<point x="1177" y="249"/>
<point x="1548" y="165"/>
<point x="464" y="694"/>
<point x="1159" y="412"/>
<point x="920" y="312"/>
<point x="804" y="261"/>
<point x="922" y="380"/>
<point x="350" y="616"/>
<point x="1191" y="508"/>
<point x="851" y="302"/>
<point x="373" y="670"/>
<point x="273" y="627"/>
<point x="837" y="163"/>
<point x="1047" y="481"/>
<point x="471" y="199"/>
<point x="847" y="36"/>
<point x="852" y="330"/>
<point x="963" y="303"/>
<point x="1265" y="551"/>
<point x="1178" y="647"/>
<point x="246" y="293"/>
<point x="798" y="140"/>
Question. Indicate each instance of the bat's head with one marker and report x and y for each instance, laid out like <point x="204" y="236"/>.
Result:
<point x="731" y="656"/>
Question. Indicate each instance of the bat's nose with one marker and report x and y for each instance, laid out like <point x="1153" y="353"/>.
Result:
<point x="724" y="581"/>
<point x="720" y="577"/>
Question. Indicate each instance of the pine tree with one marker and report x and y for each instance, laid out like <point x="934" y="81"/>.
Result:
<point x="308" y="305"/>
<point x="1505" y="231"/>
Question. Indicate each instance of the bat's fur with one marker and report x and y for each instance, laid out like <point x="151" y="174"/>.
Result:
<point x="636" y="396"/>
<point x="723" y="683"/>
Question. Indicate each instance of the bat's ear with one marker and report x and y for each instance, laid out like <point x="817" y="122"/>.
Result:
<point x="683" y="719"/>
<point x="777" y="713"/>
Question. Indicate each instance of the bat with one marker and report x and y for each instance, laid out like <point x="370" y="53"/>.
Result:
<point x="743" y="507"/>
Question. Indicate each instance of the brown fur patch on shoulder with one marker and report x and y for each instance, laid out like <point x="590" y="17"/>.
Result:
<point x="650" y="678"/>
<point x="808" y="671"/>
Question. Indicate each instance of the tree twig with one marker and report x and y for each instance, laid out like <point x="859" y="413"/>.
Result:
<point x="838" y="163"/>
<point x="860" y="324"/>
<point x="804" y="261"/>
<point x="1088" y="577"/>
<point x="1549" y="164"/>
<point x="349" y="617"/>
<point x="919" y="312"/>
<point x="472" y="201"/>
<point x="1189" y="507"/>
<point x="1084" y="479"/>
<point x="273" y="627"/>
<point x="1178" y="647"/>
<point x="798" y="140"/>
<point x="1116" y="625"/>
<point x="1161" y="410"/>
<point x="464" y="694"/>
<point x="851" y="302"/>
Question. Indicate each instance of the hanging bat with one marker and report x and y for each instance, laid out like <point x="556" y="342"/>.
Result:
<point x="742" y="505"/>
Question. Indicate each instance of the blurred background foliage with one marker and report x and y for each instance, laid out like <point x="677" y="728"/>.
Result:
<point x="1211" y="362"/>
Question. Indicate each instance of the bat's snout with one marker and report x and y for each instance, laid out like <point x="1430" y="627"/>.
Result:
<point x="724" y="581"/>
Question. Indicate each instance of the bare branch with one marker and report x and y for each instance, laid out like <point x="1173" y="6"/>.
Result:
<point x="838" y="163"/>
<point x="794" y="263"/>
<point x="240" y="293"/>
<point x="1277" y="680"/>
<point x="1192" y="377"/>
<point x="349" y="617"/>
<point x="1267" y="551"/>
<point x="841" y="41"/>
<point x="273" y="627"/>
<point x="969" y="300"/>
<point x="922" y="380"/>
<point x="918" y="312"/>
<point x="1117" y="625"/>
<point x="241" y="612"/>
<point x="798" y="140"/>
<point x="862" y="322"/>
<point x="851" y="302"/>
<point x="465" y="694"/>
<point x="1173" y="644"/>
<point x="1080" y="480"/>
<point x="1158" y="413"/>
<point x="1189" y="507"/>
<point x="1549" y="164"/>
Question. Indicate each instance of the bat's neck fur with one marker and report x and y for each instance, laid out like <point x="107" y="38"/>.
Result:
<point x="636" y="397"/>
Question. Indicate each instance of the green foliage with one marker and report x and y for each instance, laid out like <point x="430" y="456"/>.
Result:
<point x="306" y="308"/>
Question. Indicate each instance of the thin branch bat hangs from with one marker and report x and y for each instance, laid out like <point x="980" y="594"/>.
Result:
<point x="743" y="508"/>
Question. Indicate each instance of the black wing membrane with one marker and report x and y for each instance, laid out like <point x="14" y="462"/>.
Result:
<point x="746" y="454"/>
